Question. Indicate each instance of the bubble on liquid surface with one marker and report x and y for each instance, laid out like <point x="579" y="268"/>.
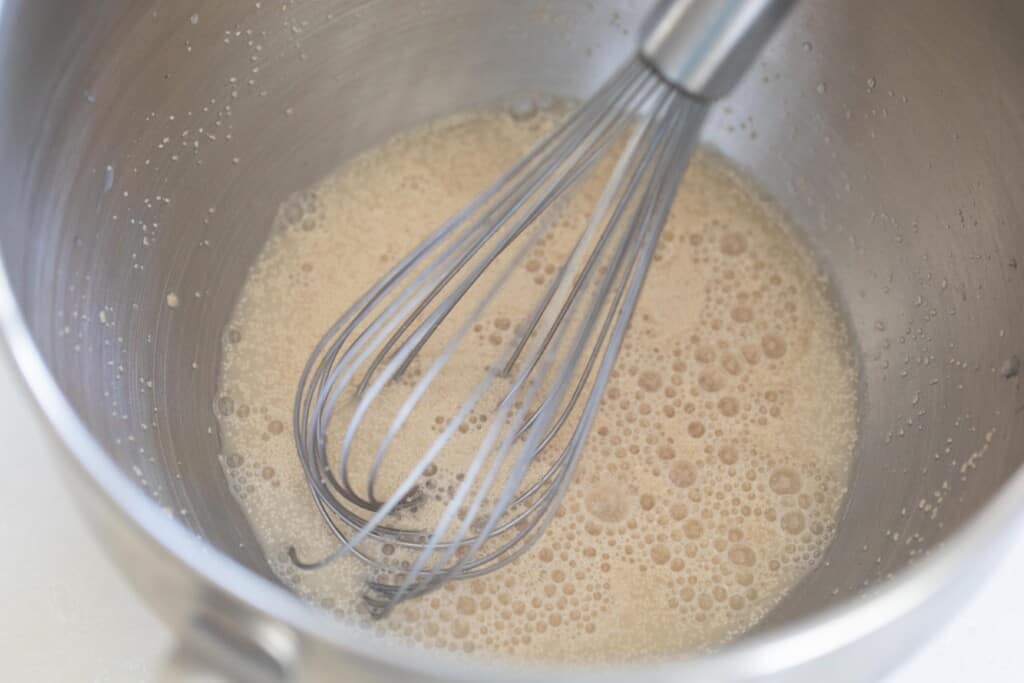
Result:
<point x="785" y="481"/>
<point x="607" y="504"/>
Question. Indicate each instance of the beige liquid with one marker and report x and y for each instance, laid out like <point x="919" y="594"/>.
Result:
<point x="718" y="461"/>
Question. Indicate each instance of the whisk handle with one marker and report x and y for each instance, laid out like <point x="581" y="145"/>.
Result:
<point x="705" y="46"/>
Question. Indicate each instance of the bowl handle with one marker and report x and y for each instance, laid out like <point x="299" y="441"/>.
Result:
<point x="212" y="651"/>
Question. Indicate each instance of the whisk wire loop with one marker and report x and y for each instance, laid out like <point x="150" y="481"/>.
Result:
<point x="546" y="379"/>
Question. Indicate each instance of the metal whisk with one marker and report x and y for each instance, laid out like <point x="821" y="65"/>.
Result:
<point x="539" y="395"/>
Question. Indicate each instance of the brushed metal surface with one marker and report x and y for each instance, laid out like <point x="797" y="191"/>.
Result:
<point x="146" y="146"/>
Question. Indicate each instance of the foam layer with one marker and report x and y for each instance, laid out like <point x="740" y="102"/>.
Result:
<point x="711" y="482"/>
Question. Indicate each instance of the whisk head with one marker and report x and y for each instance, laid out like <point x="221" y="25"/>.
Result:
<point x="423" y="509"/>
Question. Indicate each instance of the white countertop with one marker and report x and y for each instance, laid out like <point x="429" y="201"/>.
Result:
<point x="66" y="615"/>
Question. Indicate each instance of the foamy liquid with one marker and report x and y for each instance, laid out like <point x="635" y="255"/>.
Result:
<point x="718" y="461"/>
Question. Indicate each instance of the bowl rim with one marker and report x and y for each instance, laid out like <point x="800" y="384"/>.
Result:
<point x="774" y="650"/>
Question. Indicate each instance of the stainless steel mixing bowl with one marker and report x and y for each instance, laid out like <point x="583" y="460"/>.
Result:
<point x="146" y="146"/>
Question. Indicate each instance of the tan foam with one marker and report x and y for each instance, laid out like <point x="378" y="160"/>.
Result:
<point x="712" y="479"/>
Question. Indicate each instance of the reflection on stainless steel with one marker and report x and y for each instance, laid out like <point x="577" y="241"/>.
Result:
<point x="147" y="146"/>
<point x="705" y="46"/>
